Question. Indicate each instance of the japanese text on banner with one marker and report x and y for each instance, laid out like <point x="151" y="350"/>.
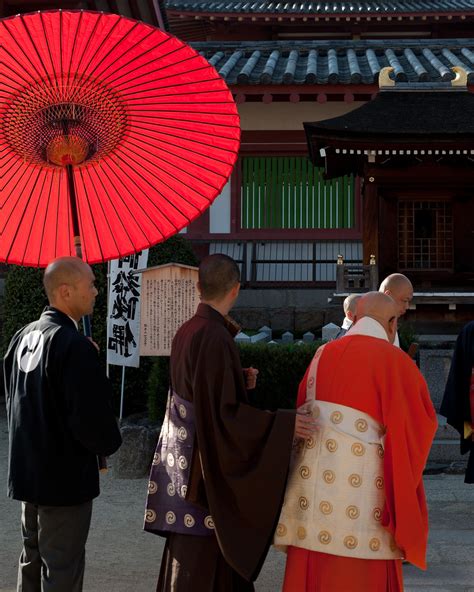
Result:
<point x="123" y="315"/>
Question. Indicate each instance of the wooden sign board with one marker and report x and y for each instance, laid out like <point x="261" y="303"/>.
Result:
<point x="169" y="299"/>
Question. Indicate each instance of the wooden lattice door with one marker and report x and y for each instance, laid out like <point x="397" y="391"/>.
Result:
<point x="425" y="234"/>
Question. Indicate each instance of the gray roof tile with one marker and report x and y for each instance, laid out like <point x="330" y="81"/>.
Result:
<point x="341" y="7"/>
<point x="337" y="62"/>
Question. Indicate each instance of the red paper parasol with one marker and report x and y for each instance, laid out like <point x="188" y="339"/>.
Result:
<point x="109" y="129"/>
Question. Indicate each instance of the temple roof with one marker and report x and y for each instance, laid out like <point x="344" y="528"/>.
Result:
<point x="337" y="62"/>
<point x="328" y="7"/>
<point x="428" y="121"/>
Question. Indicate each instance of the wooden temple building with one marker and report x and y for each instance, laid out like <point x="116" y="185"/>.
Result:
<point x="390" y="172"/>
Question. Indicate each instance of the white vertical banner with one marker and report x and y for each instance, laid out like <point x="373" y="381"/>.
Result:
<point x="123" y="312"/>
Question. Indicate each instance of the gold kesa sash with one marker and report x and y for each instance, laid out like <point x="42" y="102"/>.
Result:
<point x="335" y="493"/>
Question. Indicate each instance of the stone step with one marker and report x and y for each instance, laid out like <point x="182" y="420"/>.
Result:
<point x="445" y="431"/>
<point x="446" y="451"/>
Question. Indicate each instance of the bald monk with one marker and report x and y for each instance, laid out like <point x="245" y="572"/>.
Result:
<point x="59" y="419"/>
<point x="349" y="306"/>
<point x="400" y="288"/>
<point x="355" y="504"/>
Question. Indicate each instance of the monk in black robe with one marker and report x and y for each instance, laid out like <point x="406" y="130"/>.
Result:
<point x="456" y="405"/>
<point x="220" y="468"/>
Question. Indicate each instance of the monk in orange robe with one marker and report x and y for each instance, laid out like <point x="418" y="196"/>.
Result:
<point x="355" y="503"/>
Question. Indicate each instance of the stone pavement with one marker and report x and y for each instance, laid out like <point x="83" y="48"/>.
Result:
<point x="122" y="558"/>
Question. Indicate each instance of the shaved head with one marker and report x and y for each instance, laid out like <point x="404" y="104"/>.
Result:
<point x="380" y="307"/>
<point x="69" y="284"/>
<point x="65" y="270"/>
<point x="218" y="274"/>
<point x="399" y="287"/>
<point x="350" y="304"/>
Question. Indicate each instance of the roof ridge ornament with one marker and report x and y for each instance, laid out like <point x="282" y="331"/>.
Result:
<point x="460" y="78"/>
<point x="384" y="77"/>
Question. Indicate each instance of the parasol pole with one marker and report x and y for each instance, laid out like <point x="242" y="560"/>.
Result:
<point x="86" y="320"/>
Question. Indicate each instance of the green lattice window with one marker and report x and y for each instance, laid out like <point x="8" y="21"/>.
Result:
<point x="289" y="192"/>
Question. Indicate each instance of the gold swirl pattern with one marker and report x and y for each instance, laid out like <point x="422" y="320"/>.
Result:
<point x="182" y="462"/>
<point x="336" y="417"/>
<point x="355" y="480"/>
<point x="305" y="472"/>
<point x="393" y="545"/>
<point x="182" y="411"/>
<point x="377" y="514"/>
<point x="374" y="544"/>
<point x="209" y="522"/>
<point x="380" y="451"/>
<point x="189" y="521"/>
<point x="170" y="517"/>
<point x="152" y="487"/>
<point x="156" y="459"/>
<point x="358" y="449"/>
<point x="184" y="490"/>
<point x="324" y="537"/>
<point x="326" y="507"/>
<point x="310" y="442"/>
<point x="281" y="530"/>
<point x="331" y="445"/>
<point x="170" y="459"/>
<point x="351" y="542"/>
<point x="150" y="516"/>
<point x="352" y="512"/>
<point x="310" y="381"/>
<point x="301" y="533"/>
<point x="303" y="503"/>
<point x="329" y="476"/>
<point x="379" y="482"/>
<point x="182" y="434"/>
<point x="170" y="489"/>
<point x="361" y="425"/>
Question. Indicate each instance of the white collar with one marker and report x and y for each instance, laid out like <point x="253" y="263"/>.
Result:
<point x="368" y="326"/>
<point x="346" y="324"/>
<point x="75" y="322"/>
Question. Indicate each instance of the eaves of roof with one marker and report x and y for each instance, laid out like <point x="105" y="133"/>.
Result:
<point x="349" y="8"/>
<point x="309" y="63"/>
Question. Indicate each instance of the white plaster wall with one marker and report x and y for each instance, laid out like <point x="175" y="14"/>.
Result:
<point x="219" y="213"/>
<point x="289" y="116"/>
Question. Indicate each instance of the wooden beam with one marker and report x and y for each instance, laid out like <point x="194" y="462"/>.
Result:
<point x="136" y="14"/>
<point x="370" y="225"/>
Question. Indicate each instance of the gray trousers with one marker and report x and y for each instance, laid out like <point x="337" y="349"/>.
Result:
<point x="54" y="539"/>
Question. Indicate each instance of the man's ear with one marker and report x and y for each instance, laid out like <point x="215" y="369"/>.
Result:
<point x="392" y="327"/>
<point x="63" y="291"/>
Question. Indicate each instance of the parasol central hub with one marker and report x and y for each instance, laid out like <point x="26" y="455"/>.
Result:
<point x="65" y="150"/>
<point x="73" y="121"/>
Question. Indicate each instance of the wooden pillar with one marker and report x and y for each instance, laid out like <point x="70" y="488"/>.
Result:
<point x="370" y="222"/>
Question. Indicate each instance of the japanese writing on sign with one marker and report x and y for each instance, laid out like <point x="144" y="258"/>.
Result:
<point x="123" y="315"/>
<point x="169" y="298"/>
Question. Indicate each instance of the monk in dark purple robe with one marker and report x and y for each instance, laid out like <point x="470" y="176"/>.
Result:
<point x="220" y="467"/>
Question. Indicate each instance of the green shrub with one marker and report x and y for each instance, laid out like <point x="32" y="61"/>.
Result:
<point x="23" y="301"/>
<point x="281" y="368"/>
<point x="406" y="334"/>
